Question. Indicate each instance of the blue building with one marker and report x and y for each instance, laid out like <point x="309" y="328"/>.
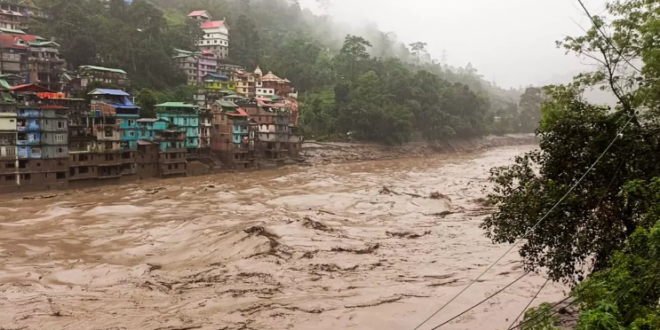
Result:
<point x="184" y="117"/>
<point x="116" y="103"/>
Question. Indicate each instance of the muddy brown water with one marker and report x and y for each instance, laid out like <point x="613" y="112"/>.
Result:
<point x="296" y="248"/>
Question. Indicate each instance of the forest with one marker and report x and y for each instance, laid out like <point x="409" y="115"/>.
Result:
<point x="365" y="82"/>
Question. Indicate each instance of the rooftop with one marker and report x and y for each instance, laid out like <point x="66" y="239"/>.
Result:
<point x="212" y="24"/>
<point x="104" y="91"/>
<point x="199" y="13"/>
<point x="100" y="68"/>
<point x="226" y="104"/>
<point x="215" y="76"/>
<point x="176" y="105"/>
<point x="11" y="31"/>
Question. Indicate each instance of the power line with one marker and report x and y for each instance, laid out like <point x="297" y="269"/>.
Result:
<point x="529" y="304"/>
<point x="483" y="301"/>
<point x="529" y="231"/>
<point x="642" y="273"/>
<point x="607" y="39"/>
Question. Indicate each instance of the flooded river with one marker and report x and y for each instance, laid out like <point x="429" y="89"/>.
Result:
<point x="321" y="248"/>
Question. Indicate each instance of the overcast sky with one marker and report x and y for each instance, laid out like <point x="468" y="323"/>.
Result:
<point x="511" y="41"/>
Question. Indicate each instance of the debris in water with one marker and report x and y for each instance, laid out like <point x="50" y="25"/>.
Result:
<point x="407" y="234"/>
<point x="370" y="248"/>
<point x="309" y="223"/>
<point x="437" y="195"/>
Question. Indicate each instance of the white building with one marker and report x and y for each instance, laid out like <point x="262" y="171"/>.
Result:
<point x="265" y="92"/>
<point x="216" y="34"/>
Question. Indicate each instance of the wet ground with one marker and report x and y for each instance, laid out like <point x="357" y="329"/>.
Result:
<point x="323" y="247"/>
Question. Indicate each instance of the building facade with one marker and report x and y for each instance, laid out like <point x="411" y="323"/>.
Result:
<point x="216" y="34"/>
<point x="196" y="65"/>
<point x="117" y="103"/>
<point x="184" y="117"/>
<point x="230" y="137"/>
<point x="45" y="67"/>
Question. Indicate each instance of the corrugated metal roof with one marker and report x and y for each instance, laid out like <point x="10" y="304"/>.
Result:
<point x="226" y="104"/>
<point x="212" y="24"/>
<point x="176" y="105"/>
<point x="199" y="13"/>
<point x="12" y="31"/>
<point x="104" y="91"/>
<point x="100" y="68"/>
<point x="216" y="76"/>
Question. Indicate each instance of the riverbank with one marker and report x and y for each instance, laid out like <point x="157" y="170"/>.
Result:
<point x="321" y="153"/>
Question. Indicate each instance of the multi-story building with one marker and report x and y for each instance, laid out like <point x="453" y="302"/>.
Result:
<point x="13" y="15"/>
<point x="216" y="34"/>
<point x="280" y="87"/>
<point x="114" y="102"/>
<point x="8" y="156"/>
<point x="205" y="129"/>
<point x="44" y="65"/>
<point x="217" y="86"/>
<point x="275" y="136"/>
<point x="231" y="135"/>
<point x="88" y="74"/>
<point x="148" y="159"/>
<point x="171" y="145"/>
<point x="245" y="83"/>
<point x="13" y="55"/>
<point x="196" y="65"/>
<point x="84" y="155"/>
<point x="172" y="153"/>
<point x="185" y="117"/>
<point x="42" y="135"/>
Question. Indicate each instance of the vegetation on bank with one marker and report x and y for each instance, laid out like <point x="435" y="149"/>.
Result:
<point x="364" y="82"/>
<point x="604" y="237"/>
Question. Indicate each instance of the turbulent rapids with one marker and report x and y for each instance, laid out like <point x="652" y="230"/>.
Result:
<point x="369" y="245"/>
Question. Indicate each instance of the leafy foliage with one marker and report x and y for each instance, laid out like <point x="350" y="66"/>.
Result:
<point x="597" y="218"/>
<point x="135" y="37"/>
<point x="540" y="318"/>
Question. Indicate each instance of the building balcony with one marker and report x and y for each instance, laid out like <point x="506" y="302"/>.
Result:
<point x="84" y="176"/>
<point x="28" y="142"/>
<point x="28" y="129"/>
<point x="28" y="113"/>
<point x="174" y="150"/>
<point x="173" y="161"/>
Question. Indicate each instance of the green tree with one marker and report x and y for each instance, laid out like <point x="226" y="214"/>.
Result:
<point x="596" y="219"/>
<point x="530" y="109"/>
<point x="353" y="58"/>
<point x="147" y="101"/>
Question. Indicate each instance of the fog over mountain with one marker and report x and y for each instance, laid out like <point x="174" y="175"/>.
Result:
<point x="510" y="42"/>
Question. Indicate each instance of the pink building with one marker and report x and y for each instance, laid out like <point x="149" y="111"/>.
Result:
<point x="208" y="63"/>
<point x="196" y="65"/>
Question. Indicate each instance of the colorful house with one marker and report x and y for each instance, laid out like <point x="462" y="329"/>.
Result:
<point x="217" y="83"/>
<point x="230" y="137"/>
<point x="116" y="103"/>
<point x="171" y="144"/>
<point x="184" y="117"/>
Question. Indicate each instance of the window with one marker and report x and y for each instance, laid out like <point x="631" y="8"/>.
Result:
<point x="26" y="177"/>
<point x="10" y="178"/>
<point x="61" y="175"/>
<point x="131" y="122"/>
<point x="131" y="133"/>
<point x="83" y="170"/>
<point x="11" y="152"/>
<point x="60" y="124"/>
<point x="10" y="165"/>
<point x="59" y="137"/>
<point x="60" y="150"/>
